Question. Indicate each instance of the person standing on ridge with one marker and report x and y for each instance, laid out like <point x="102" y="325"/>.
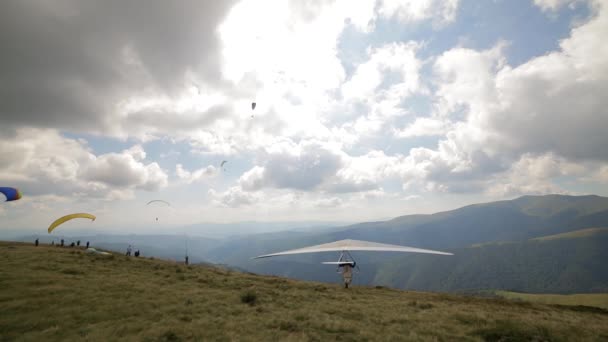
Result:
<point x="36" y="243"/>
<point x="347" y="275"/>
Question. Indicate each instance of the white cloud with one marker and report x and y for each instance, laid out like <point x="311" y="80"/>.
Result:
<point x="466" y="77"/>
<point x="122" y="170"/>
<point x="43" y="162"/>
<point x="554" y="5"/>
<point x="331" y="202"/>
<point x="375" y="93"/>
<point x="397" y="58"/>
<point x="234" y="197"/>
<point x="441" y="11"/>
<point x="424" y="127"/>
<point x="305" y="166"/>
<point x="197" y="175"/>
<point x="541" y="108"/>
<point x="533" y="175"/>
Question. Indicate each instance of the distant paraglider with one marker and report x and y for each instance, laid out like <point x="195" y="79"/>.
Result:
<point x="160" y="202"/>
<point x="222" y="164"/>
<point x="12" y="194"/>
<point x="253" y="104"/>
<point x="66" y="218"/>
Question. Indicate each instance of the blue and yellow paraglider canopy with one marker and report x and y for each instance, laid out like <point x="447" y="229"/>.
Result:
<point x="11" y="194"/>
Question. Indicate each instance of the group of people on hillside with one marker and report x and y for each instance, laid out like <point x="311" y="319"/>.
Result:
<point x="62" y="243"/>
<point x="130" y="249"/>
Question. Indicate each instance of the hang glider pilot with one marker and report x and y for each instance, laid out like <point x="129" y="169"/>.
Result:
<point x="347" y="274"/>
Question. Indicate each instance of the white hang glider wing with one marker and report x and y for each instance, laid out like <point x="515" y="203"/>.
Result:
<point x="353" y="245"/>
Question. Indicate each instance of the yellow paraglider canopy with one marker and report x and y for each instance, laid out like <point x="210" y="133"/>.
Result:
<point x="69" y="217"/>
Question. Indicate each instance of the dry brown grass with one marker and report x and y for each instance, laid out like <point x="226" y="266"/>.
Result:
<point x="51" y="293"/>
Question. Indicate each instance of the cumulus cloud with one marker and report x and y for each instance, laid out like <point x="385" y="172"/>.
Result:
<point x="195" y="176"/>
<point x="65" y="68"/>
<point x="533" y="175"/>
<point x="424" y="127"/>
<point x="234" y="197"/>
<point x="314" y="167"/>
<point x="389" y="75"/>
<point x="554" y="5"/>
<point x="441" y="11"/>
<point x="43" y="162"/>
<point x="123" y="170"/>
<point x="329" y="202"/>
<point x="540" y="108"/>
<point x="303" y="167"/>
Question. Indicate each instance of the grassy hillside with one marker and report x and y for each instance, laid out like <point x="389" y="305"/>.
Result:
<point x="599" y="300"/>
<point x="51" y="293"/>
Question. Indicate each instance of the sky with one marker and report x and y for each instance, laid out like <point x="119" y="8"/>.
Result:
<point x="365" y="110"/>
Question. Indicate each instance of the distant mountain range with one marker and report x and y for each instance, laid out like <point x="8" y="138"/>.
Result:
<point x="550" y="243"/>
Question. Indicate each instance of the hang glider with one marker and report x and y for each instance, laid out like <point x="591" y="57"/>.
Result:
<point x="354" y="245"/>
<point x="346" y="262"/>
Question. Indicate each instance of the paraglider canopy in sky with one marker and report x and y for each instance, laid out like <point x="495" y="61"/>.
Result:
<point x="159" y="201"/>
<point x="12" y="194"/>
<point x="66" y="218"/>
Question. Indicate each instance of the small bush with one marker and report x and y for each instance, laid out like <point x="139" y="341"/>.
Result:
<point x="425" y="306"/>
<point x="71" y="271"/>
<point x="249" y="297"/>
<point x="422" y="306"/>
<point x="288" y="326"/>
<point x="170" y="336"/>
<point x="511" y="331"/>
